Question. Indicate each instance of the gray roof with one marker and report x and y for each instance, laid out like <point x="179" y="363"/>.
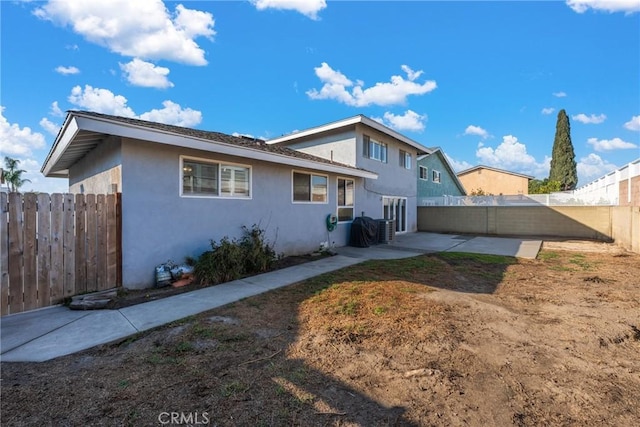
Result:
<point x="84" y="140"/>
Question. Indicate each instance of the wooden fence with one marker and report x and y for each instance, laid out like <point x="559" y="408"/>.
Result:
<point x="56" y="246"/>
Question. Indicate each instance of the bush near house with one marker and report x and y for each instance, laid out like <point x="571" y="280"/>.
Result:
<point x="231" y="259"/>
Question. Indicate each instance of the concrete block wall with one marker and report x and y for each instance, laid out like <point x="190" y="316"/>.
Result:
<point x="606" y="223"/>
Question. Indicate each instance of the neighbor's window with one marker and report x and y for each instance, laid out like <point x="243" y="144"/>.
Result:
<point x="435" y="176"/>
<point x="405" y="159"/>
<point x="423" y="173"/>
<point x="374" y="150"/>
<point x="345" y="199"/>
<point x="215" y="179"/>
<point x="309" y="188"/>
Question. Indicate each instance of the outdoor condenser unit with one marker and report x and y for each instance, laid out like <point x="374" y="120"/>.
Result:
<point x="386" y="230"/>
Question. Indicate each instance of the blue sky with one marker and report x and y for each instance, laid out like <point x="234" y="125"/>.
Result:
<point x="482" y="80"/>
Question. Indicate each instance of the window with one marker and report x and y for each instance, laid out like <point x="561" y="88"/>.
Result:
<point x="345" y="199"/>
<point x="423" y="173"/>
<point x="435" y="176"/>
<point x="212" y="179"/>
<point x="374" y="150"/>
<point x="405" y="159"/>
<point x="309" y="188"/>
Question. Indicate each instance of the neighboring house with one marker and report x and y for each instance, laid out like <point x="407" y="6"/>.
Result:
<point x="183" y="187"/>
<point x="494" y="181"/>
<point x="361" y="142"/>
<point x="436" y="177"/>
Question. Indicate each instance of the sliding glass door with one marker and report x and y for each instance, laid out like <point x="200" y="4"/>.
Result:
<point x="395" y="208"/>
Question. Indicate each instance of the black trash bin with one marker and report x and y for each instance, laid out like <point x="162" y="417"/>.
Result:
<point x="364" y="232"/>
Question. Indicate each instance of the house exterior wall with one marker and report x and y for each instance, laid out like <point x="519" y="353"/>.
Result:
<point x="428" y="188"/>
<point x="337" y="146"/>
<point x="158" y="224"/>
<point x="494" y="182"/>
<point x="393" y="180"/>
<point x="99" y="172"/>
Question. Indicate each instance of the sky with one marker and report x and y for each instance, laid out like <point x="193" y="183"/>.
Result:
<point x="482" y="80"/>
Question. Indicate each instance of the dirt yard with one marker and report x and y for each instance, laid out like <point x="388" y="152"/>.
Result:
<point x="442" y="339"/>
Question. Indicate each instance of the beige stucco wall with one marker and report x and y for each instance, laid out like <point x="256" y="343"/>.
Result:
<point x="607" y="223"/>
<point x="629" y="198"/>
<point x="109" y="181"/>
<point x="494" y="182"/>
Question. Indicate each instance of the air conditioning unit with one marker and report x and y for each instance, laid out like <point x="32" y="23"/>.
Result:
<point x="386" y="230"/>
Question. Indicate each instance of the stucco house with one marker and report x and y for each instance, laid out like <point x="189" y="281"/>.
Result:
<point x="494" y="181"/>
<point x="182" y="187"/>
<point x="436" y="177"/>
<point x="363" y="143"/>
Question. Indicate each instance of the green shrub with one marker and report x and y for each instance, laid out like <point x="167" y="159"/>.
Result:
<point x="232" y="259"/>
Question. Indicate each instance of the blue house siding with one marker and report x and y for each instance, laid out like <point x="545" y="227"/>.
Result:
<point x="448" y="185"/>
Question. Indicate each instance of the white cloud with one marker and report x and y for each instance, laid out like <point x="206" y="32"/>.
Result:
<point x="67" y="70"/>
<point x="548" y="110"/>
<point x="409" y="121"/>
<point x="106" y="102"/>
<point x="559" y="94"/>
<point x="633" y="124"/>
<point x="626" y="6"/>
<point x="49" y="126"/>
<point x="55" y="110"/>
<point x="592" y="167"/>
<point x="173" y="114"/>
<point x="141" y="29"/>
<point x="458" y="165"/>
<point x="16" y="141"/>
<point x="476" y="130"/>
<point x="309" y="8"/>
<point x="512" y="155"/>
<point x="592" y="119"/>
<point x="100" y="100"/>
<point x="610" y="144"/>
<point x="390" y="93"/>
<point x="146" y="74"/>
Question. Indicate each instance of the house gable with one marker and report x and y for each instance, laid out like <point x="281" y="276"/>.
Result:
<point x="448" y="183"/>
<point x="494" y="181"/>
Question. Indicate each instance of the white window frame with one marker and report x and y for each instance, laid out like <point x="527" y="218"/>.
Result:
<point x="405" y="159"/>
<point x="220" y="165"/>
<point x="426" y="173"/>
<point x="352" y="206"/>
<point x="375" y="150"/>
<point x="311" y="175"/>
<point x="436" y="176"/>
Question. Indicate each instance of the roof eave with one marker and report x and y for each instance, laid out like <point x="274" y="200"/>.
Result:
<point x="76" y="122"/>
<point x="351" y="121"/>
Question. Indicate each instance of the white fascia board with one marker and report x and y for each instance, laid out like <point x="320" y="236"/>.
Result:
<point x="347" y="122"/>
<point x="168" y="138"/>
<point x="67" y="134"/>
<point x="316" y="130"/>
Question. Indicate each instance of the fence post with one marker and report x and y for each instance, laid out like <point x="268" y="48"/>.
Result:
<point x="4" y="254"/>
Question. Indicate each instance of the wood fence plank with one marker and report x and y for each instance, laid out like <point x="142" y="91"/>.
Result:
<point x="15" y="253"/>
<point x="81" y="238"/>
<point x="44" y="249"/>
<point x="69" y="246"/>
<point x="56" y="273"/>
<point x="30" y="281"/>
<point x="101" y="247"/>
<point x="119" y="238"/>
<point x="92" y="227"/>
<point x="112" y="242"/>
<point x="4" y="254"/>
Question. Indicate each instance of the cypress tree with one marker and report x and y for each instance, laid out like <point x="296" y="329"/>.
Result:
<point x="563" y="163"/>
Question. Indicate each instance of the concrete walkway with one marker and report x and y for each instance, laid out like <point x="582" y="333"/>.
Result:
<point x="45" y="334"/>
